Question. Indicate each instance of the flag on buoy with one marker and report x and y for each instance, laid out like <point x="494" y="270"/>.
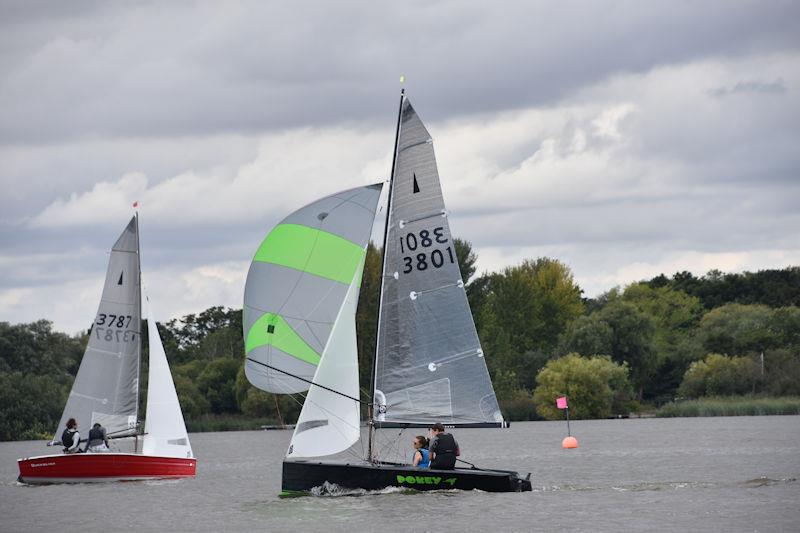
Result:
<point x="569" y="441"/>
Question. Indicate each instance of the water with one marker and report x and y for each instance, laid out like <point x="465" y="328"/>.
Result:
<point x="680" y="474"/>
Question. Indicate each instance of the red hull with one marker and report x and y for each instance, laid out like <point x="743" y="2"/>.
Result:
<point x="89" y="467"/>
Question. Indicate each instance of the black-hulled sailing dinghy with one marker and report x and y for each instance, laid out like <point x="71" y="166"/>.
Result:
<point x="299" y="326"/>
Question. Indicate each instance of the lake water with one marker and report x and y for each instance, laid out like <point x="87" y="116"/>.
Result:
<point x="680" y="474"/>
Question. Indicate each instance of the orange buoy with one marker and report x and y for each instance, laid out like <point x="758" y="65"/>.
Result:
<point x="569" y="442"/>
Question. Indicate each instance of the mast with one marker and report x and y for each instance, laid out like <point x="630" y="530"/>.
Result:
<point x="370" y="413"/>
<point x="139" y="309"/>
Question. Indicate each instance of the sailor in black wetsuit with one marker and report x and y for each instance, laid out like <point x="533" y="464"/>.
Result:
<point x="443" y="449"/>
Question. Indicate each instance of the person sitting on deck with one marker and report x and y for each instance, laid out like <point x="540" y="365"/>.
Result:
<point x="70" y="438"/>
<point x="98" y="441"/>
<point x="443" y="448"/>
<point x="421" y="453"/>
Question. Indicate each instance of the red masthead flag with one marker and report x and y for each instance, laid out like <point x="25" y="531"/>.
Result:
<point x="561" y="403"/>
<point x="136" y="203"/>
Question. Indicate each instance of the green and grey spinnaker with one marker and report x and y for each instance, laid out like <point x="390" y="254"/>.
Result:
<point x="297" y="283"/>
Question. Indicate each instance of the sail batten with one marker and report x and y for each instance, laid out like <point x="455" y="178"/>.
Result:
<point x="299" y="277"/>
<point x="429" y="364"/>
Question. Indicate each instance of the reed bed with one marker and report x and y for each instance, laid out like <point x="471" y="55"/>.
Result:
<point x="226" y="423"/>
<point x="732" y="406"/>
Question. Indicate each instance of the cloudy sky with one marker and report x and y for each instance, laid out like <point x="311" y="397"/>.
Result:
<point x="623" y="138"/>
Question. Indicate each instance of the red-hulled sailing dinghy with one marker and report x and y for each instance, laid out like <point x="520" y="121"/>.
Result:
<point x="106" y="391"/>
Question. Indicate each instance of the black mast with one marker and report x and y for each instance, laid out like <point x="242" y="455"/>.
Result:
<point x="371" y="406"/>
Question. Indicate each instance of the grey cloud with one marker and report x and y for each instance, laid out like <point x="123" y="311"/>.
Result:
<point x="255" y="66"/>
<point x="94" y="91"/>
<point x="775" y="87"/>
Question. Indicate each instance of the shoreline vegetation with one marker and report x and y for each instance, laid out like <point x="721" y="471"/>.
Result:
<point x="725" y="343"/>
<point x="731" y="406"/>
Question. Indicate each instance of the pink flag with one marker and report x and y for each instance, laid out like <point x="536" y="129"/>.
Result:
<point x="561" y="403"/>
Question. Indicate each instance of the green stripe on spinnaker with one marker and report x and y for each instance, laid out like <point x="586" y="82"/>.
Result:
<point x="272" y="329"/>
<point x="311" y="250"/>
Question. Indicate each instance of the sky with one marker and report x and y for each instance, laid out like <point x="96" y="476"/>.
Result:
<point x="625" y="138"/>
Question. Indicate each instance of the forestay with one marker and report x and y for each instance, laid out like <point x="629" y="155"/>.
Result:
<point x="429" y="363"/>
<point x="165" y="431"/>
<point x="297" y="283"/>
<point x="106" y="388"/>
<point x="329" y="421"/>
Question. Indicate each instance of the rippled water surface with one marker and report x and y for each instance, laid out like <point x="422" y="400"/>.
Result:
<point x="683" y="474"/>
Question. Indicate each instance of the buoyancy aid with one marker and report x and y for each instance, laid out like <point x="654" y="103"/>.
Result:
<point x="445" y="452"/>
<point x="96" y="437"/>
<point x="426" y="458"/>
<point x="66" y="437"/>
<point x="445" y="443"/>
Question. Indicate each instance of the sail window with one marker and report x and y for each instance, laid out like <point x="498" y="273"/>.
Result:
<point x="310" y="424"/>
<point x="271" y="328"/>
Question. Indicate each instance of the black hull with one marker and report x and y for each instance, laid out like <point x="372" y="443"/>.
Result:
<point x="302" y="476"/>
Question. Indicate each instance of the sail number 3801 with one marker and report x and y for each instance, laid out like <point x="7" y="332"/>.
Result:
<point x="416" y="244"/>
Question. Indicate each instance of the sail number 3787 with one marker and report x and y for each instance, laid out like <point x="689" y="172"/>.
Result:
<point x="420" y="258"/>
<point x="114" y="330"/>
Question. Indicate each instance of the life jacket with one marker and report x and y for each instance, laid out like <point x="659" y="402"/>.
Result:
<point x="445" y="452"/>
<point x="66" y="437"/>
<point x="96" y="437"/>
<point x="445" y="443"/>
<point x="426" y="458"/>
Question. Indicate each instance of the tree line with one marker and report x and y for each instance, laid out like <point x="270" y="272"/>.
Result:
<point x="647" y="343"/>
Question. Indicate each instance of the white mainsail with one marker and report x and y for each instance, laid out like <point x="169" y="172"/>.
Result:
<point x="165" y="430"/>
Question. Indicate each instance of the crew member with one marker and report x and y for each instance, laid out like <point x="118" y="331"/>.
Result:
<point x="98" y="441"/>
<point x="443" y="448"/>
<point x="421" y="453"/>
<point x="70" y="438"/>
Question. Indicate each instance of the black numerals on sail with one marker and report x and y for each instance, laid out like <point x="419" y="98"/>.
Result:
<point x="418" y="245"/>
<point x="116" y="328"/>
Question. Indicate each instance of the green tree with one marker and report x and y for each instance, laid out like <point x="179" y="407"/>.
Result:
<point x="193" y="403"/>
<point x="782" y="372"/>
<point x="719" y="375"/>
<point x="597" y="387"/>
<point x="632" y="340"/>
<point x="588" y="335"/>
<point x="737" y="329"/>
<point x="533" y="303"/>
<point x="31" y="406"/>
<point x="217" y="384"/>
<point x="367" y="314"/>
<point x="36" y="349"/>
<point x="675" y="316"/>
<point x="466" y="258"/>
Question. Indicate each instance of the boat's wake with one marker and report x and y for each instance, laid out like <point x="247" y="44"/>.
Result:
<point x="332" y="490"/>
<point x="667" y="485"/>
